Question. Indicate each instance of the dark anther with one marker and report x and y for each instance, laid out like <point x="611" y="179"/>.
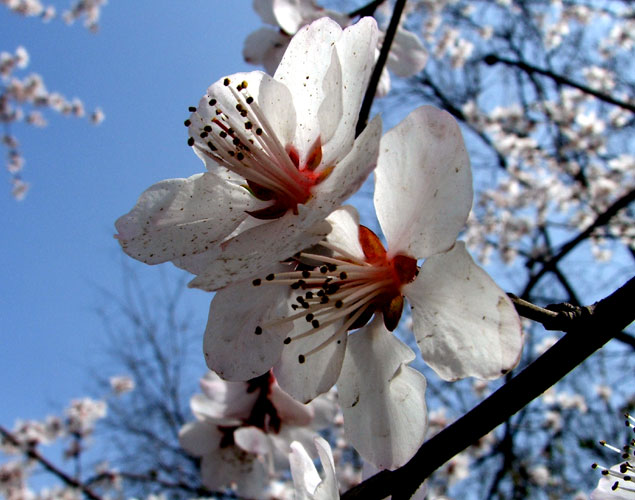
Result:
<point x="315" y="323"/>
<point x="295" y="286"/>
<point x="187" y="123"/>
<point x="212" y="102"/>
<point x="256" y="282"/>
<point x="287" y="340"/>
<point x="309" y="295"/>
<point x="250" y="100"/>
<point x="339" y="304"/>
<point x="270" y="277"/>
<point x="248" y="125"/>
<point x="190" y="141"/>
<point x="191" y="109"/>
<point x="203" y="135"/>
<point x="324" y="269"/>
<point x="211" y="146"/>
<point x="207" y="128"/>
<point x="332" y="267"/>
<point x="309" y="317"/>
<point x="240" y="156"/>
<point x="223" y="134"/>
<point x="301" y="358"/>
<point x="306" y="274"/>
<point x="236" y="141"/>
<point x="258" y="330"/>
<point x="343" y="275"/>
<point x="226" y="82"/>
<point x="258" y="131"/>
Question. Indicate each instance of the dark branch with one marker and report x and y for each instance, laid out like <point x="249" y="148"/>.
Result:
<point x="366" y="10"/>
<point x="602" y="219"/>
<point x="364" y="112"/>
<point x="587" y="331"/>
<point x="528" y="68"/>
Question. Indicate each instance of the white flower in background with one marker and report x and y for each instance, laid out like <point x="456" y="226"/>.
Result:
<point x="121" y="384"/>
<point x="618" y="482"/>
<point x="244" y="429"/>
<point x="266" y="46"/>
<point x="464" y="324"/>
<point x="82" y="414"/>
<point x="306" y="479"/>
<point x="281" y="155"/>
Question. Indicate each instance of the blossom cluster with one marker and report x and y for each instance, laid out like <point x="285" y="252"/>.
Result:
<point x="304" y="292"/>
<point x="22" y="99"/>
<point x="89" y="10"/>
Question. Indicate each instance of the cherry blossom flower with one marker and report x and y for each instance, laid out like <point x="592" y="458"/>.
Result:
<point x="244" y="430"/>
<point x="618" y="482"/>
<point x="281" y="155"/>
<point x="266" y="46"/>
<point x="464" y="324"/>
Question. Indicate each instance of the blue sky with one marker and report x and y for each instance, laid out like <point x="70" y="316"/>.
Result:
<point x="146" y="65"/>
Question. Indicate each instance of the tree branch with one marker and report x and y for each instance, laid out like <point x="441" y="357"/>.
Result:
<point x="588" y="329"/>
<point x="492" y="59"/>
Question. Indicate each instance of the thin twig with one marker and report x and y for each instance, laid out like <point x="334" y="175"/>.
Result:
<point x="604" y="218"/>
<point x="528" y="68"/>
<point x="364" y="112"/>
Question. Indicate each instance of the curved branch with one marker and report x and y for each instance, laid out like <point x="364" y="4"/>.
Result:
<point x="588" y="329"/>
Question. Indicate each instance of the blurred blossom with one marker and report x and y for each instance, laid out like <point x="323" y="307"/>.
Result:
<point x="122" y="384"/>
<point x="244" y="430"/>
<point x="266" y="46"/>
<point x="82" y="414"/>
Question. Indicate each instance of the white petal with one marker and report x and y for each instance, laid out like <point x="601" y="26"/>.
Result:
<point x="305" y="381"/>
<point x="254" y="251"/>
<point x="231" y="346"/>
<point x="315" y="43"/>
<point x="265" y="47"/>
<point x="350" y="173"/>
<point x="273" y="98"/>
<point x="200" y="438"/>
<point x="345" y="231"/>
<point x="356" y="52"/>
<point x="264" y="8"/>
<point x="328" y="488"/>
<point x="208" y="410"/>
<point x="291" y="15"/>
<point x="423" y="184"/>
<point x="252" y="440"/>
<point x="383" y="400"/>
<point x="465" y="325"/>
<point x="407" y="56"/>
<point x="290" y="411"/>
<point x="604" y="490"/>
<point x="233" y="466"/>
<point x="383" y="87"/>
<point x="305" y="475"/>
<point x="182" y="217"/>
